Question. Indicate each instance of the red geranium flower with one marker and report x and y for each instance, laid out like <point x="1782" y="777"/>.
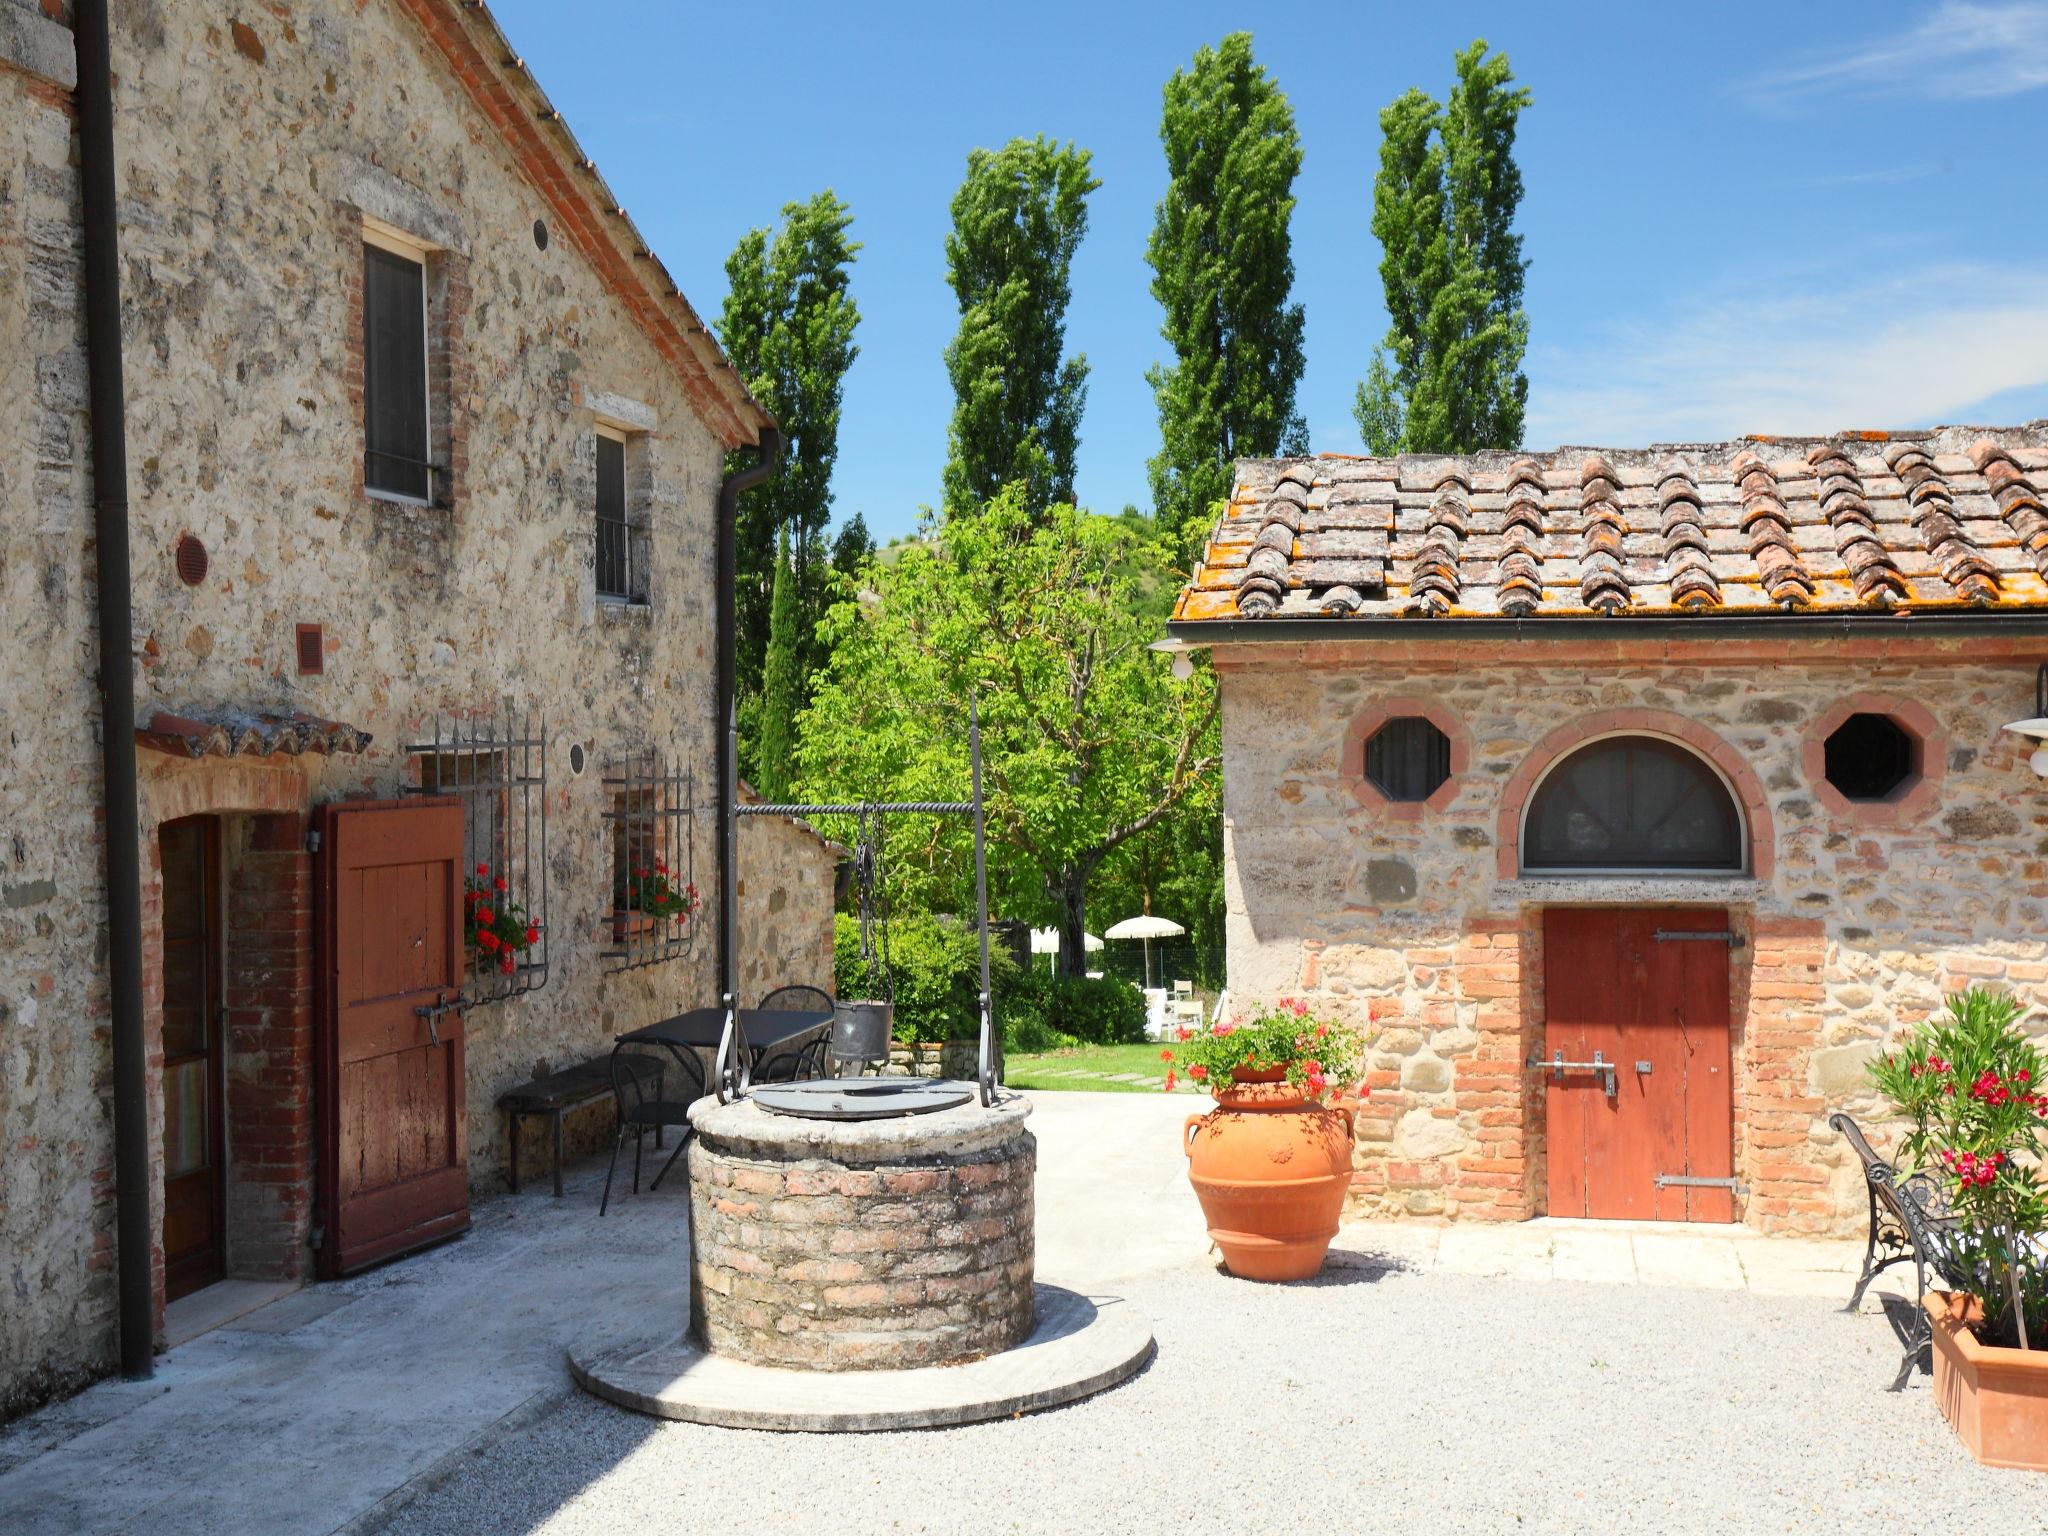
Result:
<point x="501" y="884"/>
<point x="533" y="935"/>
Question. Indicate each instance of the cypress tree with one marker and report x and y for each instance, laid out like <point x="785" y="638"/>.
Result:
<point x="1448" y="378"/>
<point x="788" y="325"/>
<point x="1223" y="267"/>
<point x="782" y="681"/>
<point x="1017" y="220"/>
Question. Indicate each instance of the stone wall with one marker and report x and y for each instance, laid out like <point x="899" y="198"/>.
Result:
<point x="786" y="872"/>
<point x="1416" y="921"/>
<point x="250" y="155"/>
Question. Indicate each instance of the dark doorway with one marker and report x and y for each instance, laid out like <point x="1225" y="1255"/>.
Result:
<point x="195" y="1192"/>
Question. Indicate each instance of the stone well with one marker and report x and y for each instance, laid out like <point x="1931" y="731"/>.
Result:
<point x="861" y="1245"/>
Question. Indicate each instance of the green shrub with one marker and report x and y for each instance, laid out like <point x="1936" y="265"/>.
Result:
<point x="935" y="967"/>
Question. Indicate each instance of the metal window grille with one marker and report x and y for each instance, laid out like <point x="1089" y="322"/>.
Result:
<point x="497" y="764"/>
<point x="656" y="909"/>
<point x="614" y="530"/>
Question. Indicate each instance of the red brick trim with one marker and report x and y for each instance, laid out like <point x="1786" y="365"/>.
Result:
<point x="1749" y="789"/>
<point x="1351" y="760"/>
<point x="479" y="58"/>
<point x="1910" y="799"/>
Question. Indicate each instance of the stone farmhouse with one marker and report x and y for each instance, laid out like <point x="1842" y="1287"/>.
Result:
<point x="1634" y="799"/>
<point x="426" y="459"/>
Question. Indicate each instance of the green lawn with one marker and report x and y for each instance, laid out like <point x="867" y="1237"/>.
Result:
<point x="1048" y="1069"/>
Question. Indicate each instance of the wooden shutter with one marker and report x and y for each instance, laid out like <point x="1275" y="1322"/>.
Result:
<point x="395" y="375"/>
<point x="614" y="560"/>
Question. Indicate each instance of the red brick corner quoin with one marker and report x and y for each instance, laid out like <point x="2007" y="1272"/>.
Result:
<point x="1364" y="725"/>
<point x="1910" y="799"/>
<point x="1749" y="789"/>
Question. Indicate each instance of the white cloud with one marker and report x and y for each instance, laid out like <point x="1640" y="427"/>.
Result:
<point x="1912" y="351"/>
<point x="1963" y="51"/>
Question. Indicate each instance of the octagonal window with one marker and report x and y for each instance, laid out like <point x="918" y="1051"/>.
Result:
<point x="1408" y="758"/>
<point x="1869" y="757"/>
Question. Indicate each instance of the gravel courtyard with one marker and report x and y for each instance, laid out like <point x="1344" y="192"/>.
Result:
<point x="1434" y="1379"/>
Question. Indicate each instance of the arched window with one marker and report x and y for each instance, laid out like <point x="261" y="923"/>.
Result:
<point x="1633" y="803"/>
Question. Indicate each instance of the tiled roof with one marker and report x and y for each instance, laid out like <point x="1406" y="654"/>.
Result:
<point x="240" y="733"/>
<point x="1952" y="519"/>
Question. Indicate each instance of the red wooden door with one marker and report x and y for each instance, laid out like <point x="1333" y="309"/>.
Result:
<point x="195" y="1195"/>
<point x="1629" y="1143"/>
<point x="394" y="1159"/>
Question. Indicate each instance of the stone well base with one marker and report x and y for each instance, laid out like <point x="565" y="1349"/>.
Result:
<point x="1078" y="1347"/>
<point x="825" y="1245"/>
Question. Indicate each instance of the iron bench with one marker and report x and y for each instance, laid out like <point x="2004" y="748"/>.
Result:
<point x="554" y="1096"/>
<point x="1909" y="1223"/>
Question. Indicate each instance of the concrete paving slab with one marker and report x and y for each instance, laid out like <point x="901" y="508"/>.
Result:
<point x="1602" y="1258"/>
<point x="1079" y="1346"/>
<point x="1484" y="1248"/>
<point x="1700" y="1263"/>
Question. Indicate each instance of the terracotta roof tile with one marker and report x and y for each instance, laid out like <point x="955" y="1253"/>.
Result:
<point x="1946" y="519"/>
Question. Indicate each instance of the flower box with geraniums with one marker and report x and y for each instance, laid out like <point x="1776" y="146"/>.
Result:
<point x="654" y="900"/>
<point x="495" y="927"/>
<point x="1271" y="1163"/>
<point x="1971" y="1083"/>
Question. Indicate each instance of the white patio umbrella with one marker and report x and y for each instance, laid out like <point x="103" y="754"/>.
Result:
<point x="1147" y="928"/>
<point x="1046" y="941"/>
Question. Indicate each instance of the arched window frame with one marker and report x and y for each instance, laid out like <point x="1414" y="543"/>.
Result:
<point x="1742" y="871"/>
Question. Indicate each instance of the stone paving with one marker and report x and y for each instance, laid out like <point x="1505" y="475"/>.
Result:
<point x="344" y="1406"/>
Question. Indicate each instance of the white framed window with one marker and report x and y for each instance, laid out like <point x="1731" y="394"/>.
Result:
<point x="397" y="409"/>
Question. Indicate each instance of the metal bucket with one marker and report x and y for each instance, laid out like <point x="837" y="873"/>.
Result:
<point x="861" y="1030"/>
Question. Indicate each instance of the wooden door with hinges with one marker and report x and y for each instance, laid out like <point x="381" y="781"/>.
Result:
<point x="1636" y="1069"/>
<point x="393" y="1138"/>
<point x="195" y="1193"/>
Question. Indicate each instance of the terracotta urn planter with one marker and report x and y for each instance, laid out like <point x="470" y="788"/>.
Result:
<point x="1995" y="1399"/>
<point x="1270" y="1167"/>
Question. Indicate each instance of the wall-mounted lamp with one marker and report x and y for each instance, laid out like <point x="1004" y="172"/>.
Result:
<point x="2036" y="729"/>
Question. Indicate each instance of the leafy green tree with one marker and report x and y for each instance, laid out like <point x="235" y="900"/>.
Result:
<point x="788" y="325"/>
<point x="1017" y="220"/>
<point x="1223" y="268"/>
<point x="782" y="683"/>
<point x="852" y="547"/>
<point x="1448" y="378"/>
<point x="1088" y="740"/>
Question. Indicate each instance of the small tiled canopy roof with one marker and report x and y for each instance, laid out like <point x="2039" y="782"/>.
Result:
<point x="240" y="733"/>
<point x="1952" y="519"/>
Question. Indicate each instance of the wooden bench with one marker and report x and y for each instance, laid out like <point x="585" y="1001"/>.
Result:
<point x="554" y="1096"/>
<point x="1909" y="1223"/>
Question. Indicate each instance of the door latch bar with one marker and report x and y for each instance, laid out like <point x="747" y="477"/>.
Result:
<point x="1695" y="1181"/>
<point x="1558" y="1066"/>
<point x="432" y="1013"/>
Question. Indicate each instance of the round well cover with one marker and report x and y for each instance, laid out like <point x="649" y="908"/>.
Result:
<point x="863" y="1098"/>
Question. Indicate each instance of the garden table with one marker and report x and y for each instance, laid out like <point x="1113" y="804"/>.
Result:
<point x="769" y="1032"/>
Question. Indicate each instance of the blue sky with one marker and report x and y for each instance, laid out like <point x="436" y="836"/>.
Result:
<point x="1741" y="217"/>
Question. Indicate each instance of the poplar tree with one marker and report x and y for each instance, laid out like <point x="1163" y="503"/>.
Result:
<point x="782" y="681"/>
<point x="788" y="326"/>
<point x="1018" y="218"/>
<point x="1223" y="269"/>
<point x="1448" y="378"/>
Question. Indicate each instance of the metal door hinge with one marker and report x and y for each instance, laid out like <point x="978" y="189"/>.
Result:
<point x="1694" y="1181"/>
<point x="313" y="840"/>
<point x="1714" y="936"/>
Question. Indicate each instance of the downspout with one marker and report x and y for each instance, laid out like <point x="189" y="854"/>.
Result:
<point x="123" y="847"/>
<point x="723" y="734"/>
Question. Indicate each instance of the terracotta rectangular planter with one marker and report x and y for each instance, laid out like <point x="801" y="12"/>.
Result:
<point x="1996" y="1399"/>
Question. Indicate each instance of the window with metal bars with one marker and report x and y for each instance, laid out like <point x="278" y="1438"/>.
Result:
<point x="614" y="527"/>
<point x="497" y="766"/>
<point x="655" y="902"/>
<point x="396" y="433"/>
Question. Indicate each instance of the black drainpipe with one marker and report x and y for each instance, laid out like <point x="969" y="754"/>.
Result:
<point x="95" y="98"/>
<point x="728" y="685"/>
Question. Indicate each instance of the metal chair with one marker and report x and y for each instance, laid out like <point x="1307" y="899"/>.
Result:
<point x="799" y="999"/>
<point x="812" y="1059"/>
<point x="638" y="1077"/>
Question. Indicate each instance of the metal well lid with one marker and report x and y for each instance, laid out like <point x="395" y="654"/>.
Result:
<point x="863" y="1098"/>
